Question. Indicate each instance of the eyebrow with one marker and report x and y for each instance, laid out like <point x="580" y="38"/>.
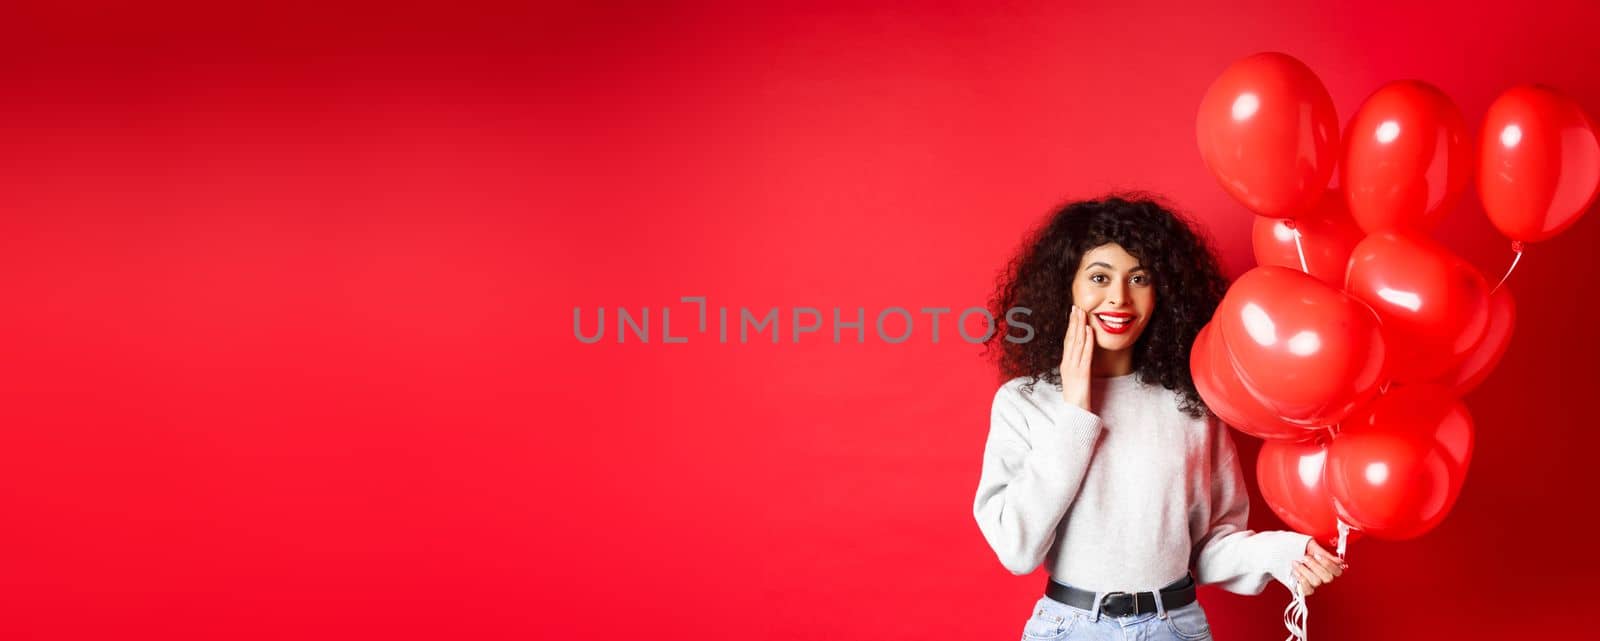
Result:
<point x="1136" y="268"/>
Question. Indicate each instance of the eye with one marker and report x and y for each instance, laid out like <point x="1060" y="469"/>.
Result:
<point x="1098" y="278"/>
<point x="1141" y="279"/>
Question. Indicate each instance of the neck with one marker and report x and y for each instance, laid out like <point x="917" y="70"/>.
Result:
<point x="1106" y="364"/>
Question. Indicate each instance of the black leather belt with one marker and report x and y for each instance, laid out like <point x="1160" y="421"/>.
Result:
<point x="1121" y="604"/>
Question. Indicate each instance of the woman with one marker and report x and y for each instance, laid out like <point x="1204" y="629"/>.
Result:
<point x="1112" y="473"/>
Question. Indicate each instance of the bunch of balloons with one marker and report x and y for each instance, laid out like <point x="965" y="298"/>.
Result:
<point x="1348" y="348"/>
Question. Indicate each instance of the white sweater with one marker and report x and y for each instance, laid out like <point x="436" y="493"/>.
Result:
<point x="1127" y="497"/>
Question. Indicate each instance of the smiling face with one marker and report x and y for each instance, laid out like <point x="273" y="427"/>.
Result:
<point x="1118" y="293"/>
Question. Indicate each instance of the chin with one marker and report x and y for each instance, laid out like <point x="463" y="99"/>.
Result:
<point x="1116" y="344"/>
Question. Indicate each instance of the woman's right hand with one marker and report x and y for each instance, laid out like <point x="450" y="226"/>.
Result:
<point x="1075" y="357"/>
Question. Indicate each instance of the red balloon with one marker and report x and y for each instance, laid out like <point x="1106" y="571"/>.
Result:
<point x="1407" y="158"/>
<point x="1308" y="351"/>
<point x="1396" y="471"/>
<point x="1291" y="481"/>
<point x="1538" y="163"/>
<point x="1428" y="410"/>
<point x="1268" y="132"/>
<point x="1484" y="356"/>
<point x="1327" y="234"/>
<point x="1434" y="306"/>
<point x="1220" y="388"/>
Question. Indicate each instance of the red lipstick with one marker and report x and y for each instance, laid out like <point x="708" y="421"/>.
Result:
<point x="1121" y="322"/>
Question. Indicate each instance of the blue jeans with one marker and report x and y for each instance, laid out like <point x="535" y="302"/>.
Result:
<point x="1056" y="621"/>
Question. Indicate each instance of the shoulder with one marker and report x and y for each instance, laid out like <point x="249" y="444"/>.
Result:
<point x="1034" y="391"/>
<point x="1026" y="399"/>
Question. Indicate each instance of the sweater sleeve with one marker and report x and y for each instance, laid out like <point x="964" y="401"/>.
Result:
<point x="1033" y="464"/>
<point x="1229" y="554"/>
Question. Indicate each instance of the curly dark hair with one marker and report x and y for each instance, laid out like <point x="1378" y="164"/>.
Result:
<point x="1183" y="266"/>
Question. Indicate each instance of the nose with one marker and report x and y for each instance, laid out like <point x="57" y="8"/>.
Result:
<point x="1116" y="294"/>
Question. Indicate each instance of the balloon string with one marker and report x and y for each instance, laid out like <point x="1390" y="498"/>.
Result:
<point x="1298" y="248"/>
<point x="1296" y="615"/>
<point x="1516" y="246"/>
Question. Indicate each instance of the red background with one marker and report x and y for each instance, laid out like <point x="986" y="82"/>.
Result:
<point x="288" y="346"/>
